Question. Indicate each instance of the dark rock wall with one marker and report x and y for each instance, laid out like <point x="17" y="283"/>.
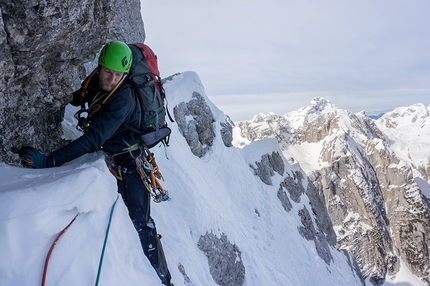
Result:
<point x="43" y="46"/>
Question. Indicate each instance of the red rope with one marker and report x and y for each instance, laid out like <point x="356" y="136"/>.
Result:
<point x="45" y="268"/>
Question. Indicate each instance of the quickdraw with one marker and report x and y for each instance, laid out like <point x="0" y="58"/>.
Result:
<point x="150" y="174"/>
<point x="147" y="168"/>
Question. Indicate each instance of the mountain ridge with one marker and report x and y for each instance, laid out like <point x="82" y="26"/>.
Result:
<point x="353" y="163"/>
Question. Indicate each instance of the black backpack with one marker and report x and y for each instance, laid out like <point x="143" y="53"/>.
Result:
<point x="144" y="77"/>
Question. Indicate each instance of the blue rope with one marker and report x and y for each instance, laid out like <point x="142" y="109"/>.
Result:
<point x="104" y="244"/>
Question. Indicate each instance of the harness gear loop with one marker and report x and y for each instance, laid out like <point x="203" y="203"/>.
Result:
<point x="115" y="169"/>
<point x="145" y="166"/>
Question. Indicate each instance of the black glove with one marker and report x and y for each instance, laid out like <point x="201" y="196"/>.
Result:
<point x="76" y="98"/>
<point x="34" y="158"/>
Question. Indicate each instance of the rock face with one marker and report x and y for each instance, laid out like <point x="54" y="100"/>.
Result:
<point x="224" y="258"/>
<point x="44" y="46"/>
<point x="366" y="177"/>
<point x="321" y="231"/>
<point x="195" y="121"/>
<point x="267" y="167"/>
<point x="227" y="133"/>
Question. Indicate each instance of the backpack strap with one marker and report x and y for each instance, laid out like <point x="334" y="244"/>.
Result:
<point x="84" y="91"/>
<point x="97" y="108"/>
<point x="168" y="113"/>
<point x="84" y="86"/>
<point x="83" y="122"/>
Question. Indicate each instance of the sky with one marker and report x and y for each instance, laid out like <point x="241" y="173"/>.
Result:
<point x="276" y="55"/>
<point x="36" y="205"/>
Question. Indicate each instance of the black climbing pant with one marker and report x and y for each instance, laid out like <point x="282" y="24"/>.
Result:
<point x="137" y="199"/>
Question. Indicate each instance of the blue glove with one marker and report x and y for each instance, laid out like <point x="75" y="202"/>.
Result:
<point x="34" y="158"/>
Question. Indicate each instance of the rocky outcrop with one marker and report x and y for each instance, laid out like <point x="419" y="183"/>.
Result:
<point x="376" y="202"/>
<point x="187" y="280"/>
<point x="195" y="122"/>
<point x="226" y="133"/>
<point x="267" y="167"/>
<point x="356" y="206"/>
<point x="309" y="232"/>
<point x="318" y="226"/>
<point x="224" y="259"/>
<point x="406" y="209"/>
<point x="247" y="128"/>
<point x="367" y="182"/>
<point x="44" y="46"/>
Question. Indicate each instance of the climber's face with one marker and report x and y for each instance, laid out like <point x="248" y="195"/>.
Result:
<point x="108" y="79"/>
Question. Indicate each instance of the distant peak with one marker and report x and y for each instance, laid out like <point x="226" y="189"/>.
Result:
<point x="318" y="104"/>
<point x="320" y="100"/>
<point x="258" y="118"/>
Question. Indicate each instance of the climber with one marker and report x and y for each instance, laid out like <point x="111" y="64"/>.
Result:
<point x="108" y="130"/>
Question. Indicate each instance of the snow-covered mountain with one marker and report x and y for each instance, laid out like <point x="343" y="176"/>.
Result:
<point x="237" y="216"/>
<point x="408" y="131"/>
<point x="373" y="176"/>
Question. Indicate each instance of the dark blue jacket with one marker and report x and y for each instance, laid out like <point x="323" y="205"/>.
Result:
<point x="108" y="130"/>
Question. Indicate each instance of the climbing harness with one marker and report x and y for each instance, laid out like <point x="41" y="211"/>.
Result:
<point x="147" y="168"/>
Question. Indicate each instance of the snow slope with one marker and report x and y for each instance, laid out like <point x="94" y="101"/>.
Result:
<point x="217" y="193"/>
<point x="408" y="129"/>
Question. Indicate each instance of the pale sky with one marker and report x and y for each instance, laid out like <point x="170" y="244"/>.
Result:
<point x="276" y="55"/>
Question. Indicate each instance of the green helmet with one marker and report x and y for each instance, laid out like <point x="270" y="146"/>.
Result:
<point x="116" y="56"/>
